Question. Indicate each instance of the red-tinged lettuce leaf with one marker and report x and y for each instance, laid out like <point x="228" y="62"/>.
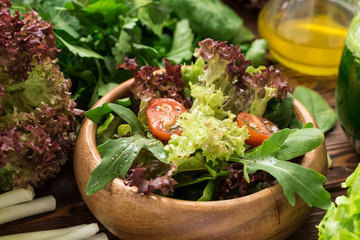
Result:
<point x="38" y="126"/>
<point x="22" y="41"/>
<point x="235" y="185"/>
<point x="227" y="69"/>
<point x="35" y="148"/>
<point x="148" y="85"/>
<point x="148" y="183"/>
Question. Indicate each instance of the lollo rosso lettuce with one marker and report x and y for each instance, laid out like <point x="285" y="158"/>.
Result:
<point x="37" y="115"/>
<point x="248" y="89"/>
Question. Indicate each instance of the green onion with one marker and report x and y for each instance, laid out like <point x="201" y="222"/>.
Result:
<point x="41" y="235"/>
<point x="16" y="196"/>
<point x="22" y="210"/>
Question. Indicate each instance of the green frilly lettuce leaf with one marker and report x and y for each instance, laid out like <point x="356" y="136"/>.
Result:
<point x="207" y="127"/>
<point x="342" y="219"/>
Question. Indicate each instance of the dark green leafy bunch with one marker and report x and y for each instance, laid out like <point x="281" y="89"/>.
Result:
<point x="37" y="115"/>
<point x="94" y="36"/>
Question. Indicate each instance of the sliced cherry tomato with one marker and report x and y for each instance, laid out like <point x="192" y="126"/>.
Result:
<point x="259" y="128"/>
<point x="162" y="114"/>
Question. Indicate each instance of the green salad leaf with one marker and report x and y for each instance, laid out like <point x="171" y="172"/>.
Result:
<point x="203" y="129"/>
<point x="117" y="156"/>
<point x="342" y="219"/>
<point x="273" y="155"/>
<point x="323" y="114"/>
<point x="225" y="25"/>
<point x="98" y="114"/>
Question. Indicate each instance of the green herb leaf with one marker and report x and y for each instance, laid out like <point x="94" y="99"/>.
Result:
<point x="126" y="102"/>
<point x="182" y="43"/>
<point x="294" y="179"/>
<point x="117" y="156"/>
<point x="272" y="157"/>
<point x="152" y="14"/>
<point x="323" y="114"/>
<point x="257" y="51"/>
<point x="225" y="24"/>
<point x="79" y="51"/>
<point x="281" y="112"/>
<point x="289" y="143"/>
<point x="208" y="191"/>
<point x="109" y="9"/>
<point x="98" y="114"/>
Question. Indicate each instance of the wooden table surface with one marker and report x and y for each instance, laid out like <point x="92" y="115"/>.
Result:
<point x="71" y="209"/>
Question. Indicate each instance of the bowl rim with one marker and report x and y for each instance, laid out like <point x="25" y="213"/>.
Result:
<point x="269" y="191"/>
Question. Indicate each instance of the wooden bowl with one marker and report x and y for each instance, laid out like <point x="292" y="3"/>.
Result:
<point x="262" y="215"/>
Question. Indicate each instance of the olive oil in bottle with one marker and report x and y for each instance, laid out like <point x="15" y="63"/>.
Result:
<point x="306" y="35"/>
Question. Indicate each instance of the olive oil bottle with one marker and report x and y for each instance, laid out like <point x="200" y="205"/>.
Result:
<point x="306" y="35"/>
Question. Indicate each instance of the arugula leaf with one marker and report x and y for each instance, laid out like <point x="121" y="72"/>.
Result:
<point x="98" y="114"/>
<point x="117" y="156"/>
<point x="287" y="144"/>
<point x="294" y="179"/>
<point x="323" y="114"/>
<point x="272" y="157"/>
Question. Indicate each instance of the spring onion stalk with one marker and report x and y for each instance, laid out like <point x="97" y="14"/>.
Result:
<point x="41" y="235"/>
<point x="22" y="210"/>
<point x="79" y="234"/>
<point x="16" y="196"/>
<point x="99" y="236"/>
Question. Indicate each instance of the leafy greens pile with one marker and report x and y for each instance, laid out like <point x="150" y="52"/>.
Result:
<point x="342" y="221"/>
<point x="210" y="159"/>
<point x="37" y="115"/>
<point x="94" y="36"/>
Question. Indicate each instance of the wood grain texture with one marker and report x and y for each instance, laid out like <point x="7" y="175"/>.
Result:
<point x="72" y="210"/>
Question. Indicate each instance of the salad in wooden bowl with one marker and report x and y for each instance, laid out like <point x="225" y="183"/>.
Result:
<point x="215" y="150"/>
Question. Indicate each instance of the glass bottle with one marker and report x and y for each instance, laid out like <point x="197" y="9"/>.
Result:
<point x="307" y="35"/>
<point x="347" y="94"/>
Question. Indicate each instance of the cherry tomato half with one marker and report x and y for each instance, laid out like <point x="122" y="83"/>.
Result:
<point x="162" y="114"/>
<point x="259" y="128"/>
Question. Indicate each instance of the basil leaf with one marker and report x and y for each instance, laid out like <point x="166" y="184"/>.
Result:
<point x="323" y="114"/>
<point x="117" y="156"/>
